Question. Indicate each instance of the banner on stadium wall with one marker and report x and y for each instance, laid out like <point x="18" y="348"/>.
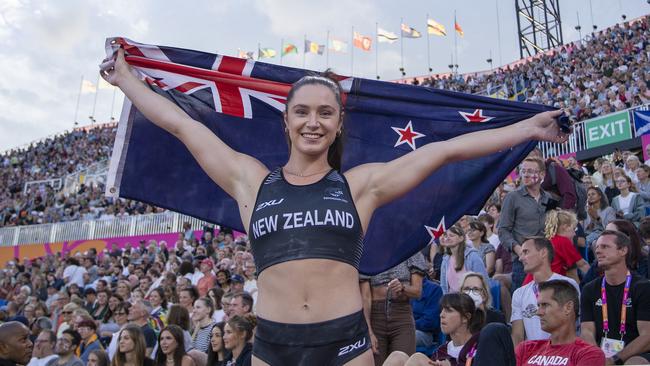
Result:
<point x="607" y="130"/>
<point x="642" y="120"/>
<point x="32" y="251"/>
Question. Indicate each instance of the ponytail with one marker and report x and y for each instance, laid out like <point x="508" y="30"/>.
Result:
<point x="557" y="218"/>
<point x="476" y="321"/>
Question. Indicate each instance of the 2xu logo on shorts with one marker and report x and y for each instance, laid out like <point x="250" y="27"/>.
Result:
<point x="356" y="345"/>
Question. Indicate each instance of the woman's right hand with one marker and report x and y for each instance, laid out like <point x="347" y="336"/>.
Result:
<point x="114" y="70"/>
<point x="374" y="344"/>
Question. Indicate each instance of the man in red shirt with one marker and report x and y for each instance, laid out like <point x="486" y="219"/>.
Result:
<point x="558" y="308"/>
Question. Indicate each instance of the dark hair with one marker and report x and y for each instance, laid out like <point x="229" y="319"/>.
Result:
<point x="460" y="253"/>
<point x="179" y="352"/>
<point x="563" y="292"/>
<point x="102" y="357"/>
<point x="208" y="303"/>
<point x="540" y="243"/>
<point x="218" y="294"/>
<point x="477" y="225"/>
<point x="243" y="324"/>
<point x="604" y="202"/>
<point x="161" y="293"/>
<point x="622" y="241"/>
<point x="213" y="357"/>
<point x="194" y="293"/>
<point x="185" y="268"/>
<point x="51" y="334"/>
<point x="246" y="298"/>
<point x="464" y="304"/>
<point x="487" y="220"/>
<point x="139" y="349"/>
<point x="179" y="315"/>
<point x="634" y="250"/>
<point x="329" y="80"/>
<point x="76" y="337"/>
<point x="644" y="227"/>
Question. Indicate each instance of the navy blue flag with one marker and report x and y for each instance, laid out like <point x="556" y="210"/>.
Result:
<point x="642" y="120"/>
<point x="242" y="101"/>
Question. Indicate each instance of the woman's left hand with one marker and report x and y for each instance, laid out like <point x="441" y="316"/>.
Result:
<point x="544" y="127"/>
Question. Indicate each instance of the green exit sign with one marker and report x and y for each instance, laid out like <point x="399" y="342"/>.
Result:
<point x="607" y="130"/>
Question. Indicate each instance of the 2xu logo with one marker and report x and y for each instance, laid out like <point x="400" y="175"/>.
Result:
<point x="268" y="204"/>
<point x="356" y="345"/>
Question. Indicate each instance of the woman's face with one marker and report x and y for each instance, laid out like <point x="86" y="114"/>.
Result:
<point x="39" y="312"/>
<point x="112" y="303"/>
<point x="121" y="317"/>
<point x="475" y="285"/>
<point x="606" y="168"/>
<point x="122" y="289"/>
<point x="102" y="298"/>
<point x="232" y="338"/>
<point x="593" y="196"/>
<point x="622" y="184"/>
<point x="126" y="343"/>
<point x="154" y="299"/>
<point x="216" y="339"/>
<point x="168" y="343"/>
<point x="494" y="212"/>
<point x="450" y="239"/>
<point x="450" y="320"/>
<point x="641" y="174"/>
<point x="29" y="311"/>
<point x="200" y="311"/>
<point x="312" y="119"/>
<point x="137" y="296"/>
<point x="474" y="234"/>
<point x="93" y="360"/>
<point x="221" y="278"/>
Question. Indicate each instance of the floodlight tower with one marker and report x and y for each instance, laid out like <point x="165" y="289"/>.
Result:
<point x="539" y="26"/>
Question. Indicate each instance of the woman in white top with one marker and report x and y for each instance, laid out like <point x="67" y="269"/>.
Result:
<point x="628" y="204"/>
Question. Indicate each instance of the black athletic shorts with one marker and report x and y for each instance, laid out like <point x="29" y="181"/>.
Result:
<point x="333" y="342"/>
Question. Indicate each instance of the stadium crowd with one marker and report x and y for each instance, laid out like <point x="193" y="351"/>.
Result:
<point x="604" y="73"/>
<point x="528" y="281"/>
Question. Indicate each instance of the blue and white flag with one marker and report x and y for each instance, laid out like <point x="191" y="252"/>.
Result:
<point x="641" y="120"/>
<point x="242" y="101"/>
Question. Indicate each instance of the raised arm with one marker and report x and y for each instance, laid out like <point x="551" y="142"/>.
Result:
<point x="374" y="185"/>
<point x="237" y="174"/>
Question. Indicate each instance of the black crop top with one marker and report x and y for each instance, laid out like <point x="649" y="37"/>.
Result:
<point x="317" y="220"/>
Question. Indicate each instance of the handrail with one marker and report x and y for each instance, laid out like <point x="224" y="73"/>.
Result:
<point x="160" y="223"/>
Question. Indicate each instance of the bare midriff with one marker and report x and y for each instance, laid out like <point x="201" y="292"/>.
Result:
<point x="308" y="291"/>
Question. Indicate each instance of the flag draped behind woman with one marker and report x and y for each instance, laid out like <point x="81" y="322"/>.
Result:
<point x="242" y="102"/>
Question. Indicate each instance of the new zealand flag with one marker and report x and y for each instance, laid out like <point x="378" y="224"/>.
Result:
<point x="242" y="101"/>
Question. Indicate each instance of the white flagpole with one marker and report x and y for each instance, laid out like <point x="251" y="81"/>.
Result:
<point x="377" y="49"/>
<point x="281" y="49"/>
<point x="428" y="46"/>
<point x="352" y="54"/>
<point x="76" y="111"/>
<point x="327" y="49"/>
<point x="401" y="46"/>
<point x="304" y="53"/>
<point x="92" y="117"/>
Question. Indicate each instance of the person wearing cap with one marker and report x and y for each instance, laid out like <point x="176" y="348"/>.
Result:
<point x="208" y="280"/>
<point x="87" y="329"/>
<point x="237" y="283"/>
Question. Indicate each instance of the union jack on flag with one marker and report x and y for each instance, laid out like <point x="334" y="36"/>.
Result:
<point x="242" y="102"/>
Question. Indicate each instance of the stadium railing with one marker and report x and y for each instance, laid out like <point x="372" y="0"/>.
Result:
<point x="578" y="139"/>
<point x="166" y="222"/>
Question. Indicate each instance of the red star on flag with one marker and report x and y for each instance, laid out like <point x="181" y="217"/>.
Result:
<point x="436" y="232"/>
<point x="476" y="117"/>
<point x="407" y="135"/>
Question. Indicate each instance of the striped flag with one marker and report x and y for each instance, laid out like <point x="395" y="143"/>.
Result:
<point x="313" y="47"/>
<point x="385" y="36"/>
<point x="245" y="54"/>
<point x="266" y="53"/>
<point x="436" y="28"/>
<point x="409" y="32"/>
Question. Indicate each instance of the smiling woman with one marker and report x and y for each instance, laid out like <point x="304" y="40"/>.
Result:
<point x="307" y="218"/>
